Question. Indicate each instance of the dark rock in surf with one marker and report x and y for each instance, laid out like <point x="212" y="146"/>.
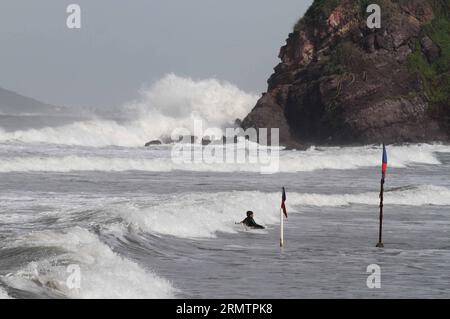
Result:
<point x="154" y="142"/>
<point x="238" y="122"/>
<point x="206" y="141"/>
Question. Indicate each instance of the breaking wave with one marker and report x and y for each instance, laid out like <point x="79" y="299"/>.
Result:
<point x="4" y="294"/>
<point x="218" y="212"/>
<point x="172" y="102"/>
<point x="289" y="161"/>
<point x="104" y="274"/>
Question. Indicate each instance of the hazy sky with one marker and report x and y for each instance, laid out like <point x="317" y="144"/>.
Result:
<point x="124" y="45"/>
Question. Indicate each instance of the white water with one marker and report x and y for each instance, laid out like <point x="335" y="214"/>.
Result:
<point x="218" y="212"/>
<point x="104" y="274"/>
<point x="172" y="102"/>
<point x="3" y="294"/>
<point x="289" y="161"/>
<point x="141" y="226"/>
<point x="209" y="213"/>
<point x="56" y="210"/>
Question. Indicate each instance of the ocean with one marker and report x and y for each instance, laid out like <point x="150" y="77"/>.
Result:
<point x="87" y="212"/>
<point x="139" y="226"/>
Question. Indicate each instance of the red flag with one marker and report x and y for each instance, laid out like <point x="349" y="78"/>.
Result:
<point x="385" y="162"/>
<point x="283" y="200"/>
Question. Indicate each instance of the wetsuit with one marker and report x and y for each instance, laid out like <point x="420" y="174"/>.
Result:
<point x="250" y="222"/>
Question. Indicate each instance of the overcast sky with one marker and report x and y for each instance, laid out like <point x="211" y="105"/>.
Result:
<point x="124" y="45"/>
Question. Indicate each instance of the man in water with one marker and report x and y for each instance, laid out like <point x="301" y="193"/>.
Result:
<point x="250" y="222"/>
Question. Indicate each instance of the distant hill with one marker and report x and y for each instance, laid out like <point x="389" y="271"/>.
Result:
<point x="12" y="103"/>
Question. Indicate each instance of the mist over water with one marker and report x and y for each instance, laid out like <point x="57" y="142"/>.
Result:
<point x="172" y="102"/>
<point x="141" y="226"/>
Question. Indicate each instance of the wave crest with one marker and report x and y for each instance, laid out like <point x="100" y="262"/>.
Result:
<point x="159" y="160"/>
<point x="198" y="215"/>
<point x="104" y="274"/>
<point x="172" y="102"/>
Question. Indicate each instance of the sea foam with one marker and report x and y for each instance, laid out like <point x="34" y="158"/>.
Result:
<point x="104" y="274"/>
<point x="197" y="215"/>
<point x="170" y="103"/>
<point x="342" y="158"/>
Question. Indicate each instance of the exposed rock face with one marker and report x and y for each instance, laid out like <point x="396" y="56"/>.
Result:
<point x="340" y="82"/>
<point x="430" y="49"/>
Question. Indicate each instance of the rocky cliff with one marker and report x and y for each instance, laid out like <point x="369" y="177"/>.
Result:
<point x="340" y="82"/>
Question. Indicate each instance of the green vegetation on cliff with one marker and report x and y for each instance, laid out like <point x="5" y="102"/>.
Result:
<point x="435" y="76"/>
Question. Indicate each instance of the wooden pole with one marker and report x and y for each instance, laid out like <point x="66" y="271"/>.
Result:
<point x="281" y="229"/>
<point x="380" y="233"/>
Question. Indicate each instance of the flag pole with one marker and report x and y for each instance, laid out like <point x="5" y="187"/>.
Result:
<point x="380" y="233"/>
<point x="281" y="229"/>
<point x="383" y="175"/>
